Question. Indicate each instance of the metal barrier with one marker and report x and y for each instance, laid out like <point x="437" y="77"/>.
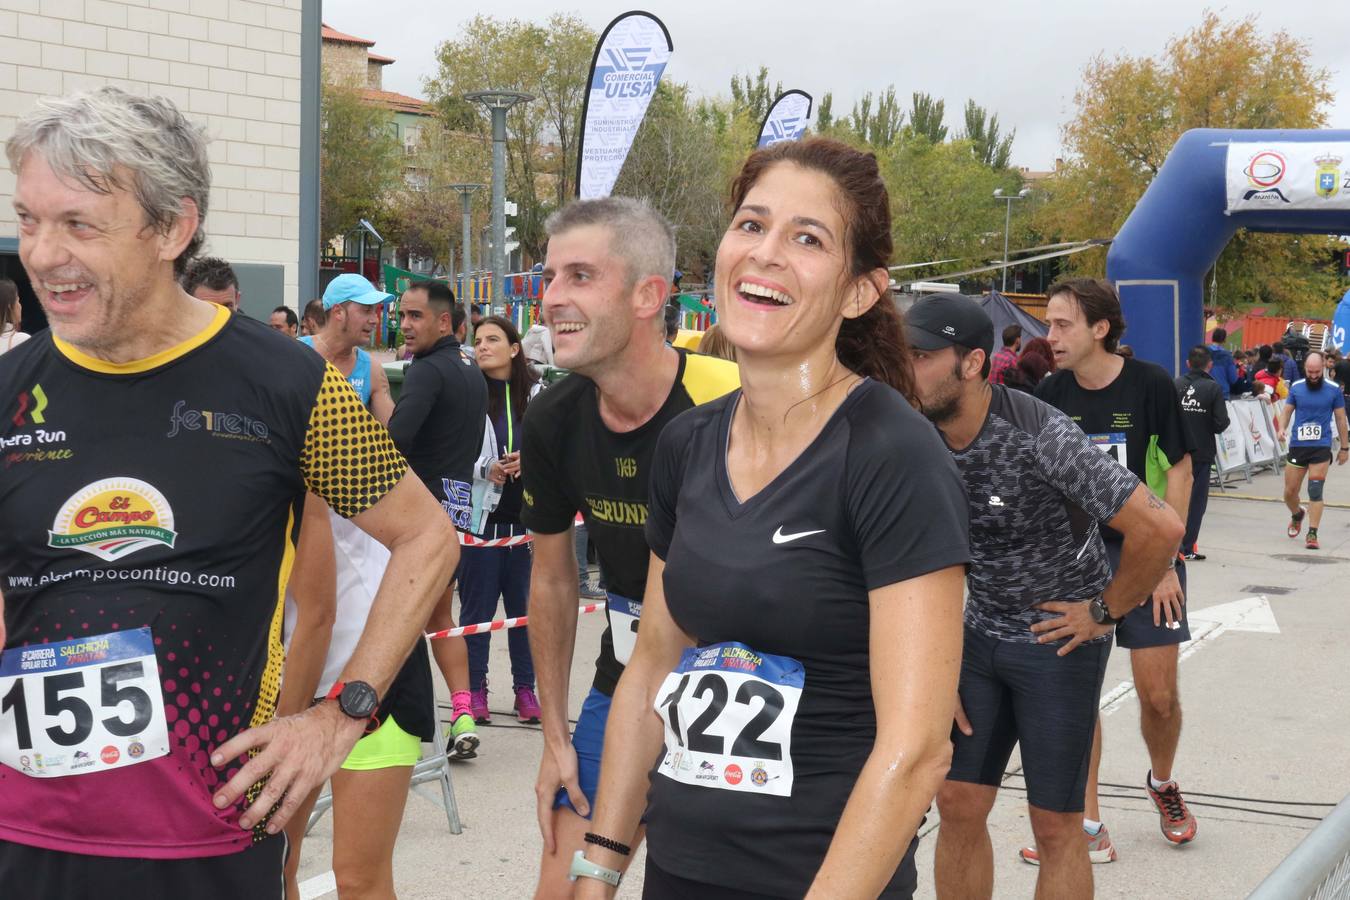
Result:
<point x="1319" y="867"/>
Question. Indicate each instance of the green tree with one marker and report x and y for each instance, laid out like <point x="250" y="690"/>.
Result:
<point x="925" y="117"/>
<point x="754" y="96"/>
<point x="987" y="143"/>
<point x="1131" y="110"/>
<point x="427" y="213"/>
<point x="825" y="112"/>
<point x="549" y="61"/>
<point x="361" y="161"/>
<point x="881" y="126"/>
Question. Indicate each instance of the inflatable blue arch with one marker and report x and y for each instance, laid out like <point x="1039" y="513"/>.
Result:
<point x="1196" y="204"/>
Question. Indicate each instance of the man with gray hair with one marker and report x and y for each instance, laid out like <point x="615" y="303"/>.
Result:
<point x="164" y="450"/>
<point x="588" y="444"/>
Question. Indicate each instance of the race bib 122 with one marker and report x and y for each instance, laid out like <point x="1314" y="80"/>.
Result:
<point x="728" y="713"/>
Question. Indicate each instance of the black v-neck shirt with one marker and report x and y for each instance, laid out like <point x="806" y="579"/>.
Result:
<point x="875" y="499"/>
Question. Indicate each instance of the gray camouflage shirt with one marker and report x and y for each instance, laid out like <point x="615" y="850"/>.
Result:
<point x="1037" y="490"/>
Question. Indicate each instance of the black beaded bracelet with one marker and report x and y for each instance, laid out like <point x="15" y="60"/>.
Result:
<point x="608" y="844"/>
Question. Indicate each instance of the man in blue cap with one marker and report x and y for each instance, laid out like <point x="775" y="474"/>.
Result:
<point x="353" y="307"/>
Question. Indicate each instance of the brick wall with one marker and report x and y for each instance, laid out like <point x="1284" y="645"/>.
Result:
<point x="233" y="65"/>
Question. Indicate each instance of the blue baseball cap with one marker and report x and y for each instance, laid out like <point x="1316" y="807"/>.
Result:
<point x="352" y="288"/>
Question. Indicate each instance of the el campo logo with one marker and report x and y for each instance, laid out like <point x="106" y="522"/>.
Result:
<point x="113" y="518"/>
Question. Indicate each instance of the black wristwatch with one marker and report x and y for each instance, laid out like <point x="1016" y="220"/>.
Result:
<point x="1100" y="614"/>
<point x="355" y="698"/>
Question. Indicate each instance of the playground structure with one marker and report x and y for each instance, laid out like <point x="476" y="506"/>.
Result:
<point x="1213" y="183"/>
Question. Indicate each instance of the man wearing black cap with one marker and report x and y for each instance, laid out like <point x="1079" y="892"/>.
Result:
<point x="1042" y="599"/>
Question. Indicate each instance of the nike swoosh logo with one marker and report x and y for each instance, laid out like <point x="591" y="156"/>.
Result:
<point x="780" y="538"/>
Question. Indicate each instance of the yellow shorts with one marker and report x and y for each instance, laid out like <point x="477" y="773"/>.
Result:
<point x="386" y="747"/>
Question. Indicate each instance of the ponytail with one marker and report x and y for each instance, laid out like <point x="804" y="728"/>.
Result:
<point x="874" y="345"/>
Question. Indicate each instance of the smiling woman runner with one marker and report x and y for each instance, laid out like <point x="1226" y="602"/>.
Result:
<point x="801" y="637"/>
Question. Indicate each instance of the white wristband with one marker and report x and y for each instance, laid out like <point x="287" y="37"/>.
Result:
<point x="584" y="868"/>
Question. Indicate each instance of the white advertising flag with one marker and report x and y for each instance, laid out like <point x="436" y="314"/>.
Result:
<point x="787" y="118"/>
<point x="629" y="59"/>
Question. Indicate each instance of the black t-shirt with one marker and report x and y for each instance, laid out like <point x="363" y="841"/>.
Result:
<point x="438" y="424"/>
<point x="1038" y="490"/>
<point x="875" y="499"/>
<point x="570" y="461"/>
<point x="158" y="501"/>
<point x="1136" y="419"/>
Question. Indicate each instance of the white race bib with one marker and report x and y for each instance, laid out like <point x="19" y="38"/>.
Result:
<point x="1309" y="431"/>
<point x="1112" y="444"/>
<point x="80" y="706"/>
<point x="623" y="625"/>
<point x="728" y="714"/>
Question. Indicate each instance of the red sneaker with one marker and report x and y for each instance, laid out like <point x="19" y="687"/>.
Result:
<point x="1178" y="825"/>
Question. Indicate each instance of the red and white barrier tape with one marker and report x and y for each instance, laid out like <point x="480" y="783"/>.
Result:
<point x="501" y="624"/>
<point x="515" y="540"/>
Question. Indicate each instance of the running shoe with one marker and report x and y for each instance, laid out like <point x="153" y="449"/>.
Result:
<point x="1311" y="543"/>
<point x="527" y="705"/>
<point x="1193" y="556"/>
<point x="1296" y="523"/>
<point x="1100" y="849"/>
<point x="1178" y="825"/>
<point x="590" y="591"/>
<point x="463" y="740"/>
<point x="478" y="703"/>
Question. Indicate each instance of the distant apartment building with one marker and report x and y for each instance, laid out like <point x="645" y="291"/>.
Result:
<point x="233" y="65"/>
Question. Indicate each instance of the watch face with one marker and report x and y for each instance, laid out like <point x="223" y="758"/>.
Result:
<point x="358" y="700"/>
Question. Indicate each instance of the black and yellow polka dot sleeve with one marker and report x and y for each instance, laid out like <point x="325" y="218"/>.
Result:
<point x="348" y="459"/>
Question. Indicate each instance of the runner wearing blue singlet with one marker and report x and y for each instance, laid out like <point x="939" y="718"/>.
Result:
<point x="353" y="309"/>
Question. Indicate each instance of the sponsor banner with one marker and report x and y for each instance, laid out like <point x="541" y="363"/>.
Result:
<point x="1282" y="175"/>
<point x="629" y="60"/>
<point x="787" y="118"/>
<point x="1257" y="427"/>
<point x="1231" y="448"/>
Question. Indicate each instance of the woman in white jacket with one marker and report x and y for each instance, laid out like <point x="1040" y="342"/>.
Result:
<point x="11" y="315"/>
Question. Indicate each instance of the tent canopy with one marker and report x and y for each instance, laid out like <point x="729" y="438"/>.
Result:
<point x="1004" y="313"/>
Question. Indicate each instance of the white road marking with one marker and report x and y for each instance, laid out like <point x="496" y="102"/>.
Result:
<point x="318" y="886"/>
<point x="1249" y="614"/>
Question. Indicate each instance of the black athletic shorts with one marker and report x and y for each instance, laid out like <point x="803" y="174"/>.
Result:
<point x="658" y="884"/>
<point x="1137" y="631"/>
<point x="1024" y="694"/>
<point x="1302" y="457"/>
<point x="37" y="874"/>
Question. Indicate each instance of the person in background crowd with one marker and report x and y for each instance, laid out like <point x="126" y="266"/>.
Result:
<point x="672" y="320"/>
<point x="1341" y="369"/>
<point x="715" y="343"/>
<point x="1275" y="384"/>
<point x="211" y="279"/>
<point x="1289" y="370"/>
<point x="1243" y="385"/>
<point x="476" y="315"/>
<point x="11" y="316"/>
<point x="537" y="346"/>
<point x="283" y="319"/>
<point x="1310" y="408"/>
<point x="438" y="425"/>
<point x="352" y="307"/>
<point x="1037" y="361"/>
<point x="1204" y="412"/>
<point x="313" y="319"/>
<point x="1224" y="373"/>
<point x="489" y="574"/>
<point x="1006" y="357"/>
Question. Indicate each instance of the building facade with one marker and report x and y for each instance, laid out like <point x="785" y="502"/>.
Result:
<point x="232" y="65"/>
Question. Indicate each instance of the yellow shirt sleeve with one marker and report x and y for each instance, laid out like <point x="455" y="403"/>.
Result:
<point x="348" y="459"/>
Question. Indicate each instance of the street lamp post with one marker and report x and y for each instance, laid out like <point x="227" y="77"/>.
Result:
<point x="498" y="102"/>
<point x="465" y="191"/>
<point x="1007" y="224"/>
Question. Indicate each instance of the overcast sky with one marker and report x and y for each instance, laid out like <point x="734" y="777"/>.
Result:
<point x="1021" y="59"/>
